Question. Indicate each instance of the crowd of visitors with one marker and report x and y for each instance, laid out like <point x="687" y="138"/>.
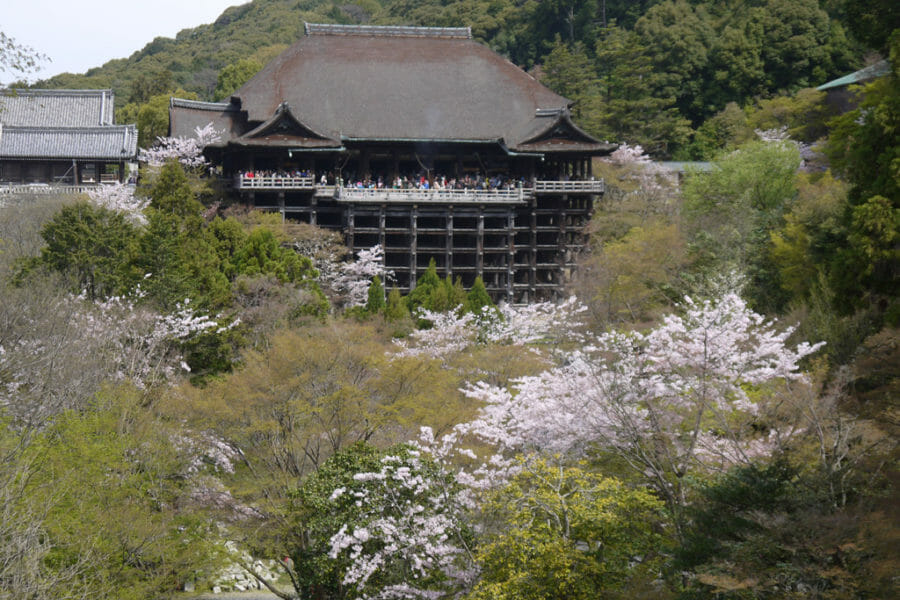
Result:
<point x="276" y="173"/>
<point x="438" y="182"/>
<point x="407" y="182"/>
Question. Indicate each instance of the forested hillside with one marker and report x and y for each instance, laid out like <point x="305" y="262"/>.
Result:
<point x="199" y="396"/>
<point x="676" y="63"/>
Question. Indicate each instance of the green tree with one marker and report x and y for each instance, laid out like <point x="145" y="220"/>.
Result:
<point x="677" y="36"/>
<point x="629" y="110"/>
<point x="863" y="148"/>
<point x="375" y="302"/>
<point x="261" y="253"/>
<point x="426" y="285"/>
<point x="233" y="76"/>
<point x="477" y="298"/>
<point x="94" y="246"/>
<point x="151" y="115"/>
<point x="873" y="22"/>
<point x="731" y="211"/>
<point x="147" y="85"/>
<point x="797" y="46"/>
<point x="569" y="71"/>
<point x="114" y="488"/>
<point x="314" y="518"/>
<point x="396" y="309"/>
<point x="563" y="532"/>
<point x="171" y="192"/>
<point x="736" y="68"/>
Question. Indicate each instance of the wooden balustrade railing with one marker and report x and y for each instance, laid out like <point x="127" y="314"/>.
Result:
<point x="273" y="182"/>
<point x="503" y="195"/>
<point x="569" y="187"/>
<point x="433" y="196"/>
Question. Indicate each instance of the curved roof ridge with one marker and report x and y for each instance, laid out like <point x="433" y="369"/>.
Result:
<point x="387" y="30"/>
<point x="55" y="92"/>
<point x="200" y="104"/>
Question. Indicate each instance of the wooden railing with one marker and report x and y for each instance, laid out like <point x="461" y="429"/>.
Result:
<point x="46" y="189"/>
<point x="413" y="196"/>
<point x="503" y="196"/>
<point x="273" y="182"/>
<point x="569" y="187"/>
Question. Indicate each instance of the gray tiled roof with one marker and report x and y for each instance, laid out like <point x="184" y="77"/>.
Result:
<point x="113" y="142"/>
<point x="56" y="108"/>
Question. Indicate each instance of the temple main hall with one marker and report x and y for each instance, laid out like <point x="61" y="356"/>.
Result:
<point x="420" y="139"/>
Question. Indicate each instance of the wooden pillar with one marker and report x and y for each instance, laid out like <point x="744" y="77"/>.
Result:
<point x="562" y="243"/>
<point x="479" y="244"/>
<point x="413" y="243"/>
<point x="313" y="209"/>
<point x="448" y="247"/>
<point x="349" y="232"/>
<point x="281" y="205"/>
<point x="532" y="276"/>
<point x="511" y="252"/>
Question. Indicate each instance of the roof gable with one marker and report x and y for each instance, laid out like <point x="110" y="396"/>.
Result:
<point x="284" y="127"/>
<point x="554" y="130"/>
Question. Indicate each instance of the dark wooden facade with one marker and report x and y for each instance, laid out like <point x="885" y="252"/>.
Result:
<point x="328" y="131"/>
<point x="65" y="137"/>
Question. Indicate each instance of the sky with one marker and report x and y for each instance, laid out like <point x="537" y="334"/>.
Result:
<point x="78" y="35"/>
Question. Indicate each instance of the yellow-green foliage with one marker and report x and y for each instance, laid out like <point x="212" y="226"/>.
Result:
<point x="559" y="531"/>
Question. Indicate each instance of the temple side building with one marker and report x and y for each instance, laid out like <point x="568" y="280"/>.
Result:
<point x="66" y="137"/>
<point x="419" y="139"/>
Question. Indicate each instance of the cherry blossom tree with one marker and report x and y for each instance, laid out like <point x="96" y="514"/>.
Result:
<point x="120" y="197"/>
<point x="57" y="353"/>
<point x="654" y="183"/>
<point x="187" y="151"/>
<point x="667" y="402"/>
<point x="409" y="537"/>
<point x="541" y="323"/>
<point x="353" y="278"/>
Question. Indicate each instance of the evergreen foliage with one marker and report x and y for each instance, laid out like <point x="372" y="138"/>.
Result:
<point x="674" y="63"/>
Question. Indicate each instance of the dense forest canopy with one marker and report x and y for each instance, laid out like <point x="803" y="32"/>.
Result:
<point x="676" y="62"/>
